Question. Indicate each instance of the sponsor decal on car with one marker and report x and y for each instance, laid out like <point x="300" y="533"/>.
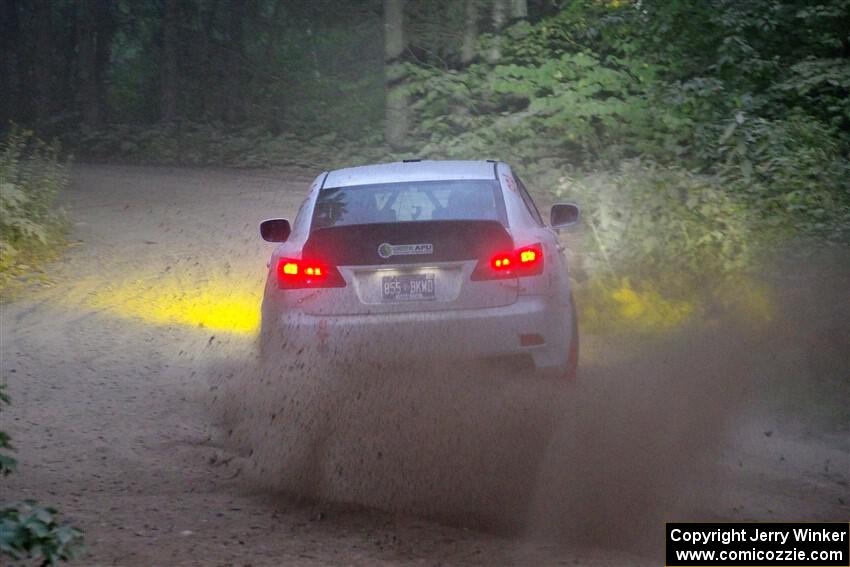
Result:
<point x="387" y="250"/>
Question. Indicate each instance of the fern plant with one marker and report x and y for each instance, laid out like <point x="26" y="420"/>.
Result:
<point x="31" y="176"/>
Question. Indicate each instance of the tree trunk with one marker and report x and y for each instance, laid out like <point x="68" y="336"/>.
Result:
<point x="105" y="26"/>
<point x="275" y="33"/>
<point x="169" y="84"/>
<point x="207" y="60"/>
<point x="86" y="63"/>
<point x="498" y="16"/>
<point x="233" y="97"/>
<point x="519" y="10"/>
<point x="68" y="75"/>
<point x="43" y="61"/>
<point x="314" y="54"/>
<point x="271" y="104"/>
<point x="470" y="32"/>
<point x="396" y="122"/>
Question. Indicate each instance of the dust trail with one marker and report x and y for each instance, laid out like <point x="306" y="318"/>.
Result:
<point x="644" y="443"/>
<point x="636" y="441"/>
<point x="477" y="444"/>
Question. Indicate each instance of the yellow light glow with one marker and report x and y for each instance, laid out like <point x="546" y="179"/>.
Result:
<point x="607" y="306"/>
<point x="217" y="303"/>
<point x="290" y="268"/>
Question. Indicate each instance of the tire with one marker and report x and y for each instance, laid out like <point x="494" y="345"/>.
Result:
<point x="571" y="369"/>
<point x="269" y="344"/>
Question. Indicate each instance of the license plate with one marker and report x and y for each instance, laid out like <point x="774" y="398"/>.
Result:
<point x="407" y="287"/>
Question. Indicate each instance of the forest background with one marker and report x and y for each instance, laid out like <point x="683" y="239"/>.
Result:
<point x="699" y="136"/>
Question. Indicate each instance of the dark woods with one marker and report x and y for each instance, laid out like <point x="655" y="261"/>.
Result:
<point x="342" y="66"/>
<point x="68" y="63"/>
<point x="748" y="97"/>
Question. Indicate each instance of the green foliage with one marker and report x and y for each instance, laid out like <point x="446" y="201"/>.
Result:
<point x="746" y="131"/>
<point x="31" y="176"/>
<point x="822" y="86"/>
<point x="30" y="531"/>
<point x="7" y="462"/>
<point x="661" y="223"/>
<point x="792" y="171"/>
<point x="577" y="107"/>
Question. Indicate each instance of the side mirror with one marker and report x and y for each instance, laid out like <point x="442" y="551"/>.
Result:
<point x="564" y="215"/>
<point x="275" y="230"/>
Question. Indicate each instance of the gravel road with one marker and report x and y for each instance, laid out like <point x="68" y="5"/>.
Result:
<point x="139" y="411"/>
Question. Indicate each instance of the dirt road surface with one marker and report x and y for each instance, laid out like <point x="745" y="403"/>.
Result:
<point x="139" y="412"/>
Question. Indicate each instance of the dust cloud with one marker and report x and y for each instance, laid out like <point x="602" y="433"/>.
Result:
<point x="637" y="440"/>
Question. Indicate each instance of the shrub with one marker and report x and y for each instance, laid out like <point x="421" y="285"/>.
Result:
<point x="31" y="176"/>
<point x="791" y="170"/>
<point x="661" y="223"/>
<point x="663" y="245"/>
<point x="28" y="530"/>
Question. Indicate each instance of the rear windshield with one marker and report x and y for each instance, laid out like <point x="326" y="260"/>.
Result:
<point x="477" y="199"/>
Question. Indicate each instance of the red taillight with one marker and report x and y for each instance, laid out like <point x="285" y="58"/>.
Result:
<point x="297" y="274"/>
<point x="502" y="262"/>
<point x="522" y="262"/>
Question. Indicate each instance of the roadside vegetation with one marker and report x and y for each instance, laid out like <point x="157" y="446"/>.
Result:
<point x="31" y="233"/>
<point x="29" y="530"/>
<point x="697" y="136"/>
<point x="32" y="174"/>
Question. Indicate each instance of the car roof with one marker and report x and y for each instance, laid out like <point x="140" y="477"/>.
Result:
<point x="424" y="170"/>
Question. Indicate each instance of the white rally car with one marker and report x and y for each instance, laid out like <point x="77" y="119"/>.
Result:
<point x="421" y="259"/>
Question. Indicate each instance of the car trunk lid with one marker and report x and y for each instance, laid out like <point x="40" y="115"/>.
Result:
<point x="410" y="266"/>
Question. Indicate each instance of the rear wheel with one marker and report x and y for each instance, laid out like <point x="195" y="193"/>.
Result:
<point x="269" y="344"/>
<point x="571" y="369"/>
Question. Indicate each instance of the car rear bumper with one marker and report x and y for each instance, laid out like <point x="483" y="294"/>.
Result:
<point x="531" y="325"/>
